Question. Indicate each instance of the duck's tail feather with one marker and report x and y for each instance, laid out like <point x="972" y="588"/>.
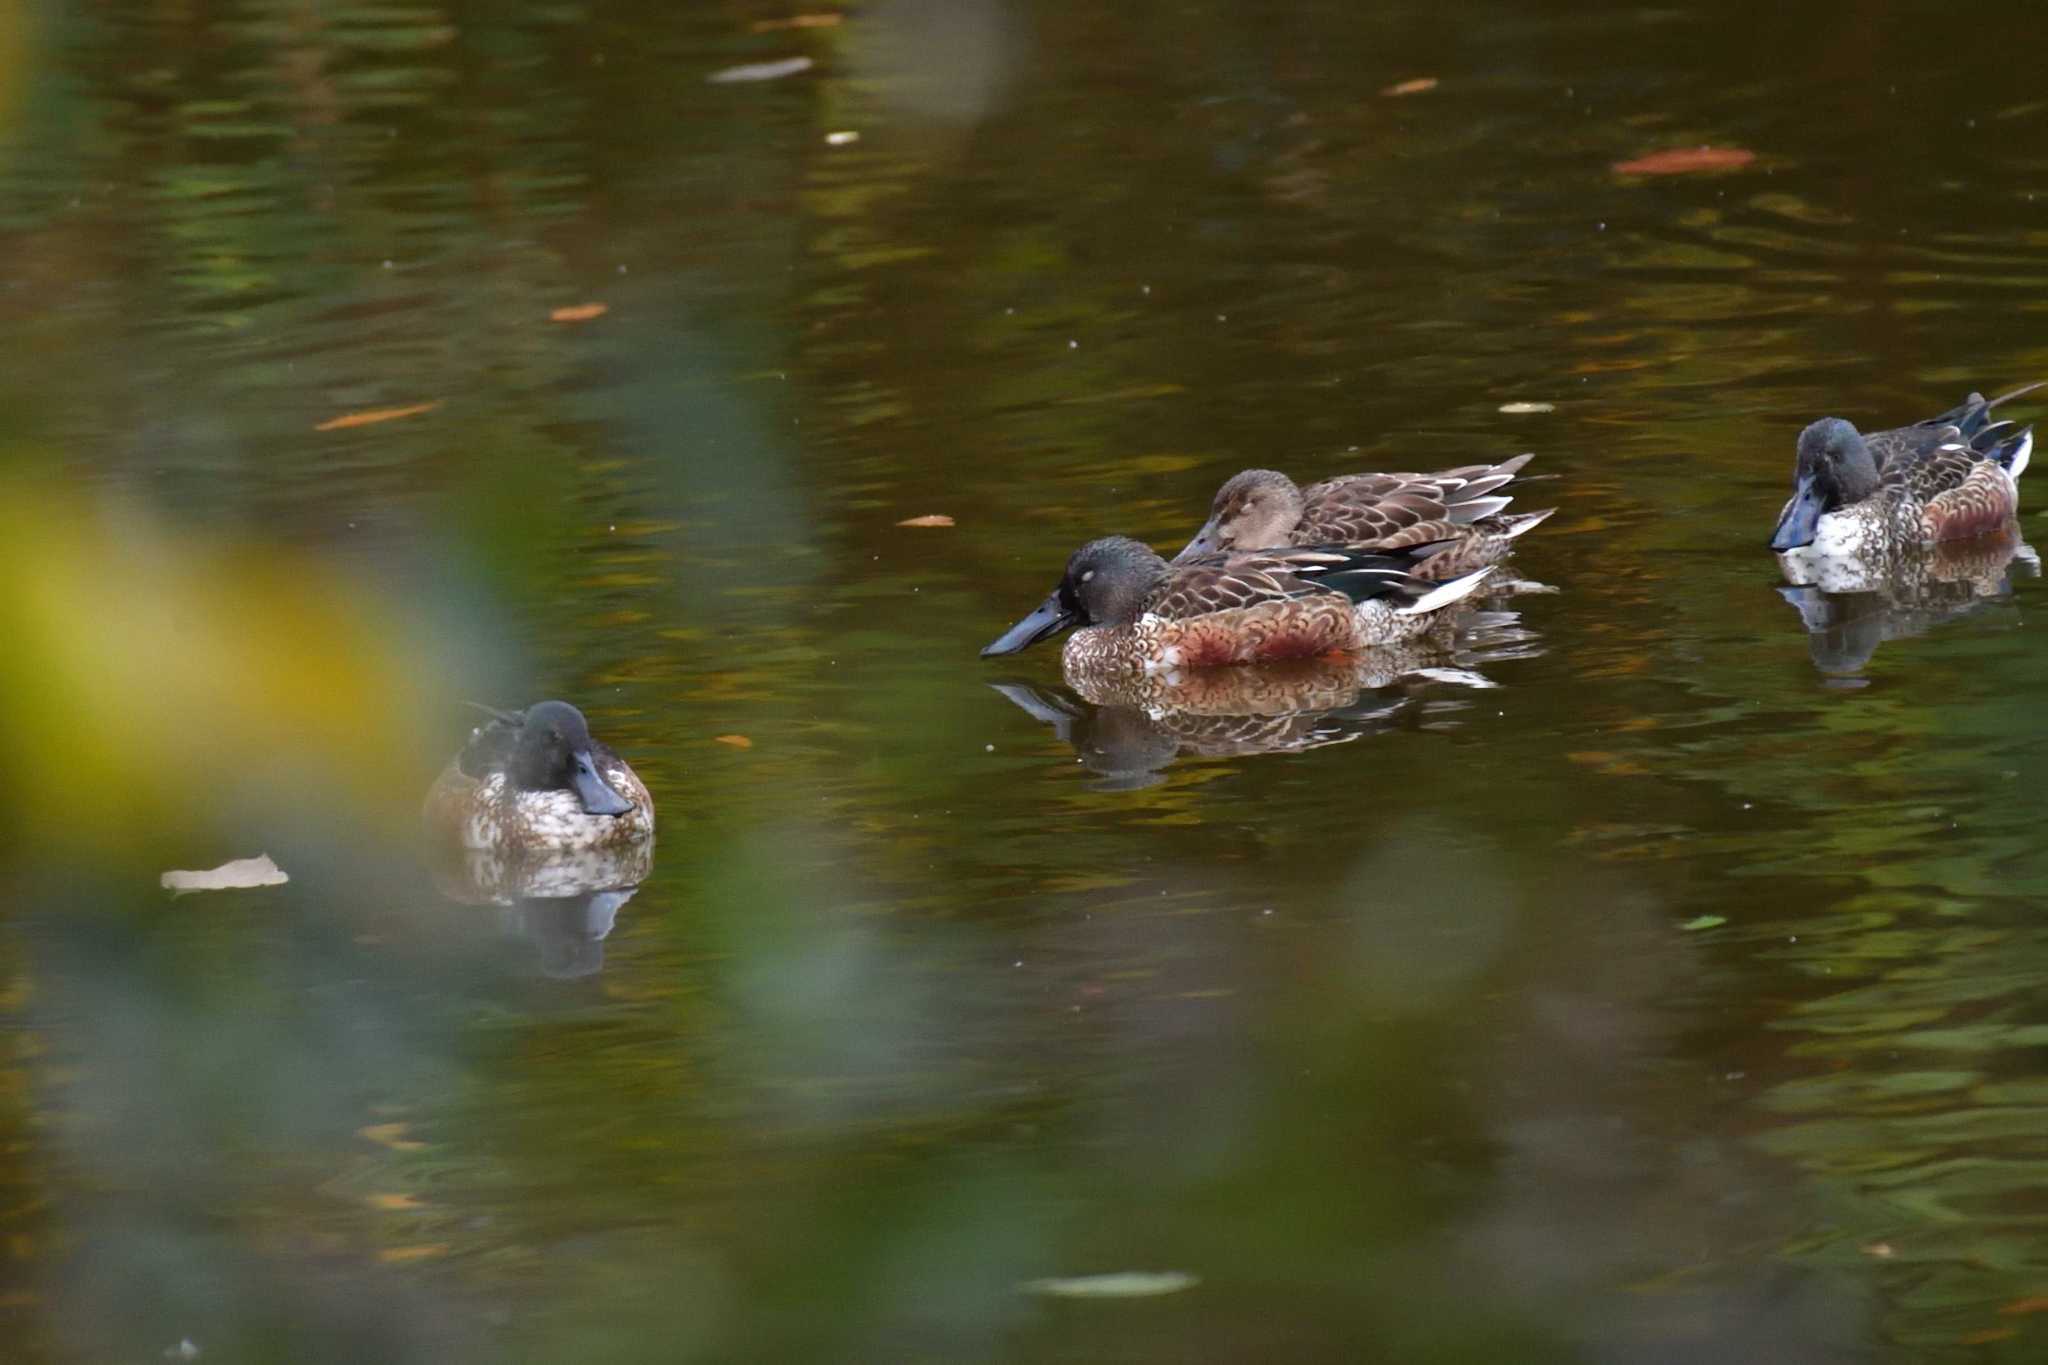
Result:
<point x="1443" y="594"/>
<point x="1521" y="523"/>
<point x="1471" y="501"/>
<point x="2016" y="453"/>
<point x="1474" y="509"/>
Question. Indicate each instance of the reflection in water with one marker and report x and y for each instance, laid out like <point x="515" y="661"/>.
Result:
<point x="1128" y="729"/>
<point x="1664" y="1011"/>
<point x="1848" y="614"/>
<point x="565" y="903"/>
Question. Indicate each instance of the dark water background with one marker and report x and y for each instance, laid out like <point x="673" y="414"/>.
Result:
<point x="1674" y="1000"/>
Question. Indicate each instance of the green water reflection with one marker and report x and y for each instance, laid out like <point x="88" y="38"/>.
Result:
<point x="1400" y="1046"/>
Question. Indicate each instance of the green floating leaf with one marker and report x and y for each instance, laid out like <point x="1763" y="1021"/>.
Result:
<point x="1694" y="925"/>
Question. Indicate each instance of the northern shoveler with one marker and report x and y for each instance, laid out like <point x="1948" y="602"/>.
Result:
<point x="1459" y="508"/>
<point x="536" y="780"/>
<point x="1138" y="613"/>
<point x="1866" y="498"/>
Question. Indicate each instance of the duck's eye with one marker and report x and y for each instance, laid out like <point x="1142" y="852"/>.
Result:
<point x="1088" y="577"/>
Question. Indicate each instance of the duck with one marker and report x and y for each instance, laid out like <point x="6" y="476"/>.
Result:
<point x="1458" y="508"/>
<point x="1134" y="613"/>
<point x="1869" y="499"/>
<point x="537" y="783"/>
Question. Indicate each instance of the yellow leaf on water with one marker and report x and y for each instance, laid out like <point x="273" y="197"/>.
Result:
<point x="393" y="1203"/>
<point x="2035" y="1303"/>
<point x="737" y="741"/>
<point x="391" y="1135"/>
<point x="579" y="312"/>
<point x="400" y="1255"/>
<point x="236" y="875"/>
<point x="931" y="519"/>
<point x="1414" y="87"/>
<point x="371" y="416"/>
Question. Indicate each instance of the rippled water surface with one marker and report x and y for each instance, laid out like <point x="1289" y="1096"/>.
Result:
<point x="1678" y="996"/>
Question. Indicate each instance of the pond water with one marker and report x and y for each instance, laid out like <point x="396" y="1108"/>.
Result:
<point x="1677" y="997"/>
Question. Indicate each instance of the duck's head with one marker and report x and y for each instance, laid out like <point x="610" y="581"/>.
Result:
<point x="1104" y="585"/>
<point x="1252" y="511"/>
<point x="1834" y="469"/>
<point x="554" y="752"/>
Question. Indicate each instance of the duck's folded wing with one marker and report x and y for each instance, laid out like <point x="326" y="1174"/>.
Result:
<point x="1928" y="469"/>
<point x="1228" y="582"/>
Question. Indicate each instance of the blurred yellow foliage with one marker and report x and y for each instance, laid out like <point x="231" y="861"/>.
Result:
<point x="155" y="682"/>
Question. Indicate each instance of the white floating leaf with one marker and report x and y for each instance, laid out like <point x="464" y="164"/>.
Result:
<point x="760" y="71"/>
<point x="229" y="876"/>
<point x="1126" y="1284"/>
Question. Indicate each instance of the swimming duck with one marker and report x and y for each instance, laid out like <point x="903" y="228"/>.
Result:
<point x="1138" y="613"/>
<point x="537" y="781"/>
<point x="1867" y="498"/>
<point x="1458" y="508"/>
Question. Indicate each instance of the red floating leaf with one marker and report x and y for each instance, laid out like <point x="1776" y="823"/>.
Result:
<point x="1685" y="160"/>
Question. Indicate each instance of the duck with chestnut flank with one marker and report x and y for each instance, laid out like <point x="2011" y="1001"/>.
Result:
<point x="536" y="781"/>
<point x="1460" y="509"/>
<point x="1870" y="499"/>
<point x="1136" y="613"/>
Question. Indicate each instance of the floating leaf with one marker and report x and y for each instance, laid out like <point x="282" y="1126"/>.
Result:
<point x="1523" y="409"/>
<point x="391" y="1135"/>
<point x="797" y="21"/>
<point x="400" y="1255"/>
<point x="236" y="875"/>
<point x="374" y="415"/>
<point x="1699" y="922"/>
<point x="760" y="71"/>
<point x="737" y="741"/>
<point x="579" y="312"/>
<point x="2035" y="1303"/>
<point x="1881" y="1250"/>
<point x="1128" y="1284"/>
<point x="1684" y="160"/>
<point x="393" y="1203"/>
<point x="930" y="519"/>
<point x="1415" y="87"/>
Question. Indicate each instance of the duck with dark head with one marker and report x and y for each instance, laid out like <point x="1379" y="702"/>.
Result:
<point x="537" y="781"/>
<point x="1869" y="499"/>
<point x="1138" y="614"/>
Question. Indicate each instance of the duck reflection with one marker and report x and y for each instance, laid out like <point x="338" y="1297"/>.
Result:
<point x="1849" y="610"/>
<point x="564" y="903"/>
<point x="1128" y="728"/>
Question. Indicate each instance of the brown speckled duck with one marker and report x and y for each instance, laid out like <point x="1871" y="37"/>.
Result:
<point x="1458" y="509"/>
<point x="537" y="781"/>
